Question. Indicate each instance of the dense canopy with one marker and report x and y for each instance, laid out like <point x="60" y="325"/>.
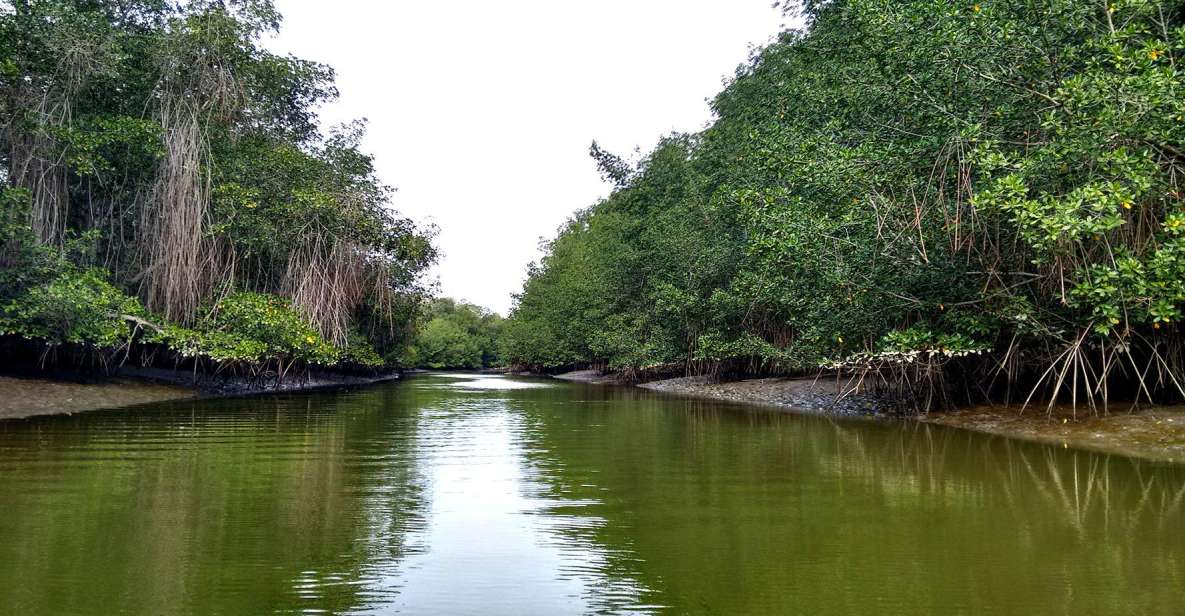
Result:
<point x="915" y="189"/>
<point x="167" y="183"/>
<point x="457" y="335"/>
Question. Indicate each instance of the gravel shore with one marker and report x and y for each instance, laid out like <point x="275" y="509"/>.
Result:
<point x="803" y="395"/>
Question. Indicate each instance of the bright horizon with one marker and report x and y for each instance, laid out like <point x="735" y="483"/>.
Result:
<point x="481" y="114"/>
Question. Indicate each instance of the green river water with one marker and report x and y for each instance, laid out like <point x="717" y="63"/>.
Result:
<point x="455" y="494"/>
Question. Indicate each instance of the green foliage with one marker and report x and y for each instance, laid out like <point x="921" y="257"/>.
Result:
<point x="912" y="178"/>
<point x="253" y="328"/>
<point x="457" y="335"/>
<point x="23" y="261"/>
<point x="99" y="146"/>
<point x="120" y="115"/>
<point x="274" y="196"/>
<point x="445" y="344"/>
<point x="360" y="352"/>
<point x="78" y="307"/>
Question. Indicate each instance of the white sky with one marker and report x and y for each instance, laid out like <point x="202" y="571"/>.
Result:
<point x="481" y="112"/>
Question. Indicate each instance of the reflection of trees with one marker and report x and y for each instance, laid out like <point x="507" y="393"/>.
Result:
<point x="228" y="506"/>
<point x="286" y="503"/>
<point x="524" y="514"/>
<point x="746" y="511"/>
<point x="570" y="515"/>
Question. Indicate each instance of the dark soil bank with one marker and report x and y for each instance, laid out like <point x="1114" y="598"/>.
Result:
<point x="28" y="395"/>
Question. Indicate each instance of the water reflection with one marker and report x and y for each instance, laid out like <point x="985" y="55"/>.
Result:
<point x="771" y="513"/>
<point x="493" y="545"/>
<point x="466" y="494"/>
<point x="241" y="506"/>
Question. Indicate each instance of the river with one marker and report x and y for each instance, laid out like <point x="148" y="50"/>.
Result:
<point x="468" y="494"/>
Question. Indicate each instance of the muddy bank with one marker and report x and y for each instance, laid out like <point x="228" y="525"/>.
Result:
<point x="585" y="376"/>
<point x="29" y="395"/>
<point x="1156" y="433"/>
<point x="803" y="395"/>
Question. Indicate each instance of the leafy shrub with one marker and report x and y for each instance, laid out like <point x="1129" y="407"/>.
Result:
<point x="253" y="328"/>
<point x="360" y="352"/>
<point x="74" y="307"/>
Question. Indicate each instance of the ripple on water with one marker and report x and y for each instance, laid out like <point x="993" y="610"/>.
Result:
<point x="437" y="496"/>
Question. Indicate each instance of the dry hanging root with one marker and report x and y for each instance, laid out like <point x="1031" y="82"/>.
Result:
<point x="326" y="279"/>
<point x="180" y="263"/>
<point x="36" y="157"/>
<point x="329" y="277"/>
<point x="35" y="166"/>
<point x="179" y="260"/>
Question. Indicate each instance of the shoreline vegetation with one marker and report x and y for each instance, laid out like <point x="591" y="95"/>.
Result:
<point x="957" y="202"/>
<point x="974" y="204"/>
<point x="170" y="201"/>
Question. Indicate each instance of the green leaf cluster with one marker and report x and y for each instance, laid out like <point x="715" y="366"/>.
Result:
<point x="457" y="335"/>
<point x="902" y="178"/>
<point x="253" y="328"/>
<point x="77" y="306"/>
<point x="135" y="129"/>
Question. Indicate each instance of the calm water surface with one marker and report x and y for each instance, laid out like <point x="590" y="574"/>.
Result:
<point x="453" y="494"/>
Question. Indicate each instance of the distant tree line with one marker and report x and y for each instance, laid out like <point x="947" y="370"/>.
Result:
<point x="167" y="188"/>
<point x="457" y="335"/>
<point x="925" y="192"/>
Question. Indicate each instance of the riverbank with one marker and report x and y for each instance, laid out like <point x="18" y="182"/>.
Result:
<point x="31" y="395"/>
<point x="1155" y="433"/>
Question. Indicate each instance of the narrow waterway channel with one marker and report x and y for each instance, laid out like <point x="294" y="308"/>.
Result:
<point x="467" y="494"/>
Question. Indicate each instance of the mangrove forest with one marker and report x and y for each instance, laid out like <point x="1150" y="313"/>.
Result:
<point x="894" y="324"/>
<point x="955" y="200"/>
<point x="170" y="198"/>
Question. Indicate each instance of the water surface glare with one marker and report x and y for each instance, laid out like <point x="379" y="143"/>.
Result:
<point x="452" y="494"/>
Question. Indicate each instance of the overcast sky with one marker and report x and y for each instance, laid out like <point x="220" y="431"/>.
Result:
<point x="481" y="112"/>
